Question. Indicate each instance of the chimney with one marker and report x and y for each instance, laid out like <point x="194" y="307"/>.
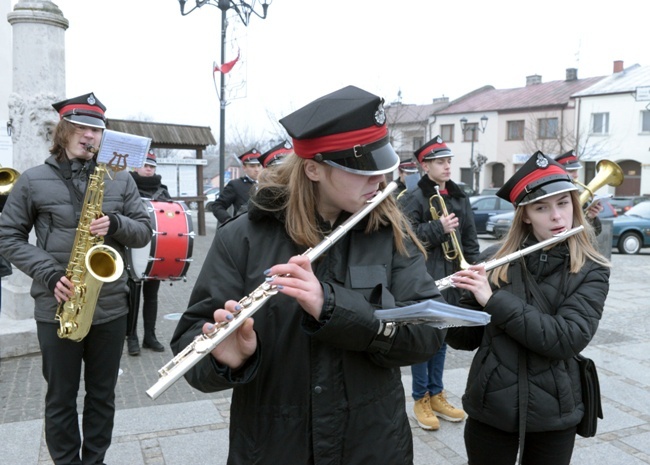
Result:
<point x="534" y="79"/>
<point x="618" y="66"/>
<point x="571" y="74"/>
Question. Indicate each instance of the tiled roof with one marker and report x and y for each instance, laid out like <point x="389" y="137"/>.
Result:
<point x="544" y="95"/>
<point x="626" y="81"/>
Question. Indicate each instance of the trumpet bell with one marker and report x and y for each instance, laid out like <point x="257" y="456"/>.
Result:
<point x="8" y="177"/>
<point x="608" y="173"/>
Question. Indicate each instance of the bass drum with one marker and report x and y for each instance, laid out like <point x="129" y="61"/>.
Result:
<point x="169" y="254"/>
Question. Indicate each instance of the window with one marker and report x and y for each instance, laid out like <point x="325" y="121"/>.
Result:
<point x="599" y="123"/>
<point x="645" y="121"/>
<point x="417" y="143"/>
<point x="471" y="129"/>
<point x="515" y="130"/>
<point x="547" y="128"/>
<point x="447" y="132"/>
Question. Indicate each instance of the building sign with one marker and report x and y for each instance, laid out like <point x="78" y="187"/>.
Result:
<point x="642" y="93"/>
<point x="179" y="175"/>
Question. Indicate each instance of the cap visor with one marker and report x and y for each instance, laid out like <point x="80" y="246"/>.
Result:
<point x="548" y="190"/>
<point x="86" y="121"/>
<point x="380" y="161"/>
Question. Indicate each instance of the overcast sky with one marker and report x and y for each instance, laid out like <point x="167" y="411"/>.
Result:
<point x="143" y="59"/>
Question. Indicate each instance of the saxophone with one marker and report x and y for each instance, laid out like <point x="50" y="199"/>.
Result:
<point x="91" y="263"/>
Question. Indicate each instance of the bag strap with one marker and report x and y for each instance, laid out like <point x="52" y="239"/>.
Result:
<point x="519" y="289"/>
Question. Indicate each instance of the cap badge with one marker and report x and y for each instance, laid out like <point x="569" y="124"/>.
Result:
<point x="380" y="115"/>
<point x="91" y="99"/>
<point x="541" y="161"/>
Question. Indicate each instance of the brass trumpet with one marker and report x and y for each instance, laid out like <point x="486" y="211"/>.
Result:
<point x="607" y="173"/>
<point x="452" y="248"/>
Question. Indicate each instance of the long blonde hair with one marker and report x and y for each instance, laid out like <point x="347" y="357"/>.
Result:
<point x="291" y="190"/>
<point x="581" y="245"/>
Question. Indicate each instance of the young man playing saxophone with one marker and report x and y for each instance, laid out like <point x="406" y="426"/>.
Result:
<point x="49" y="198"/>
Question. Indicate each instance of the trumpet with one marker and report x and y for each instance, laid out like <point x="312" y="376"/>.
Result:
<point x="8" y="177"/>
<point x="204" y="344"/>
<point x="607" y="173"/>
<point x="451" y="248"/>
<point x="446" y="282"/>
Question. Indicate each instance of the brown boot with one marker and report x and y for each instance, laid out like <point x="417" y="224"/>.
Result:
<point x="444" y="409"/>
<point x="424" y="415"/>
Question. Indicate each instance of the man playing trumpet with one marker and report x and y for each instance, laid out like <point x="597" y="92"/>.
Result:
<point x="437" y="234"/>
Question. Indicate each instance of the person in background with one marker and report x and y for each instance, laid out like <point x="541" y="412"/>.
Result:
<point x="571" y="164"/>
<point x="435" y="159"/>
<point x="48" y="198"/>
<point x="237" y="192"/>
<point x="150" y="187"/>
<point x="523" y="389"/>
<point x="315" y="376"/>
<point x="404" y="169"/>
<point x="275" y="155"/>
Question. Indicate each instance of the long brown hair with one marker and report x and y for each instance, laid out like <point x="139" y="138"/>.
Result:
<point x="581" y="245"/>
<point x="62" y="133"/>
<point x="295" y="193"/>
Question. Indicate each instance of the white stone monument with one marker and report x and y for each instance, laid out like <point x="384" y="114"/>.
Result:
<point x="38" y="54"/>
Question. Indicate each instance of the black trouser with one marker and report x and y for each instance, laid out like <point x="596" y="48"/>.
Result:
<point x="149" y="305"/>
<point x="100" y="351"/>
<point x="487" y="445"/>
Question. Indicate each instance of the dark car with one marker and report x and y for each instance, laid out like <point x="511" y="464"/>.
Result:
<point x="631" y="231"/>
<point x="498" y="225"/>
<point x="623" y="204"/>
<point x="486" y="206"/>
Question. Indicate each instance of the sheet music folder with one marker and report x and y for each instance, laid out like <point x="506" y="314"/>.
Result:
<point x="434" y="313"/>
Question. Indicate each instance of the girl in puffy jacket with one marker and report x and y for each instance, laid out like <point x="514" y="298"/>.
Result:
<point x="523" y="392"/>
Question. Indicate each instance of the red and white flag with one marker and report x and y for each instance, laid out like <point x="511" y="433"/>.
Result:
<point x="226" y="67"/>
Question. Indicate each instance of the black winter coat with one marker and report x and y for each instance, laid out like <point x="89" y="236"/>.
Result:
<point x="236" y="194"/>
<point x="548" y="341"/>
<point x="315" y="392"/>
<point x="415" y="205"/>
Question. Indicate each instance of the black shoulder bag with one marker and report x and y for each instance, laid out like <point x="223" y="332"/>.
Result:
<point x="588" y="375"/>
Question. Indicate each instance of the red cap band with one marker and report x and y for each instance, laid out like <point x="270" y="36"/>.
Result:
<point x="532" y="177"/>
<point x="85" y="109"/>
<point x="307" y="148"/>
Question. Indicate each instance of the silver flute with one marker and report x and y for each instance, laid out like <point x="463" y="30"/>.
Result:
<point x="446" y="283"/>
<point x="205" y="343"/>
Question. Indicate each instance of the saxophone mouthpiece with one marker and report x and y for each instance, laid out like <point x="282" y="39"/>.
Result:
<point x="91" y="149"/>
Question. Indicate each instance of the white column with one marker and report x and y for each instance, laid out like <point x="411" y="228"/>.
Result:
<point x="38" y="80"/>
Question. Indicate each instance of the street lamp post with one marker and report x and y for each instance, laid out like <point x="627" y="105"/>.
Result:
<point x="244" y="11"/>
<point x="477" y="164"/>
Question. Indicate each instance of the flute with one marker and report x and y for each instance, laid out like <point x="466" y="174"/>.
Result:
<point x="446" y="283"/>
<point x="205" y="343"/>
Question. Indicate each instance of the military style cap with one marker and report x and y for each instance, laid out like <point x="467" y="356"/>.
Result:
<point x="85" y="109"/>
<point x="408" y="167"/>
<point x="275" y="155"/>
<point x="345" y="129"/>
<point x="433" y="149"/>
<point x="569" y="160"/>
<point x="538" y="178"/>
<point x="151" y="159"/>
<point x="250" y="158"/>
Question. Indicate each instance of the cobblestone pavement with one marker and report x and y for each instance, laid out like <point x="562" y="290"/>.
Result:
<point x="168" y="430"/>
